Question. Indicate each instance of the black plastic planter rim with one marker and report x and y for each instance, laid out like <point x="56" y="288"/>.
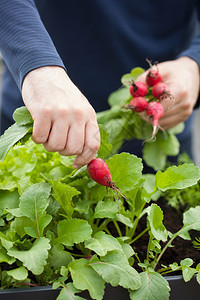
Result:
<point x="180" y="290"/>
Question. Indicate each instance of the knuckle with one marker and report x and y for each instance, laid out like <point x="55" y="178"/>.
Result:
<point x="46" y="111"/>
<point x="62" y="112"/>
<point x="58" y="147"/>
<point x="93" y="147"/>
<point x="183" y="93"/>
<point x="48" y="148"/>
<point x="38" y="138"/>
<point x="78" y="114"/>
<point x="187" y="107"/>
<point x="75" y="150"/>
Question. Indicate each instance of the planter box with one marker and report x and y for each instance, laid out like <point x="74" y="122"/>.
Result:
<point x="180" y="290"/>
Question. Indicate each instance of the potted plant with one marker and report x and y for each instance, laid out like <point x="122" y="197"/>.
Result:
<point x="64" y="236"/>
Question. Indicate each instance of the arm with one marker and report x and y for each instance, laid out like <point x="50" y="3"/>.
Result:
<point x="64" y="121"/>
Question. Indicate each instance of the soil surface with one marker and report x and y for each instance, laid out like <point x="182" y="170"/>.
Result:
<point x="181" y="248"/>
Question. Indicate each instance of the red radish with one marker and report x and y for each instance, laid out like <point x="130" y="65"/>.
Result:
<point x="153" y="77"/>
<point x="138" y="89"/>
<point x="99" y="172"/>
<point x="138" y="104"/>
<point x="160" y="90"/>
<point x="156" y="111"/>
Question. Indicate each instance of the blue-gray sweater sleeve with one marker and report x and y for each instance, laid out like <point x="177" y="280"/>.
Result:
<point x="193" y="51"/>
<point x="24" y="42"/>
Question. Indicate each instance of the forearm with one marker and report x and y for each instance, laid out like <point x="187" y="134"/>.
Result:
<point x="24" y="42"/>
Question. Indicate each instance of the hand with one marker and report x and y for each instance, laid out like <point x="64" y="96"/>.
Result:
<point x="64" y="120"/>
<point x="183" y="79"/>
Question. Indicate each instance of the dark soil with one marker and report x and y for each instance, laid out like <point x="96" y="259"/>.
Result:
<point x="181" y="248"/>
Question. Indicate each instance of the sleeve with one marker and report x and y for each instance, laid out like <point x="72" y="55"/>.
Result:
<point x="24" y="42"/>
<point x="193" y="51"/>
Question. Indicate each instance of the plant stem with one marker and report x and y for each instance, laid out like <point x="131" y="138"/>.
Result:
<point x="108" y="232"/>
<point x="118" y="229"/>
<point x="149" y="245"/>
<point x="71" y="296"/>
<point x="27" y="283"/>
<point x="170" y="271"/>
<point x="104" y="224"/>
<point x="164" y="249"/>
<point x="80" y="246"/>
<point x="77" y="255"/>
<point x="138" y="236"/>
<point x="139" y="260"/>
<point x="137" y="257"/>
<point x="163" y="269"/>
<point x="136" y="221"/>
<point x="97" y="222"/>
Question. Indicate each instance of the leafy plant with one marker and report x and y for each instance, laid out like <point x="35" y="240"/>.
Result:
<point x="58" y="227"/>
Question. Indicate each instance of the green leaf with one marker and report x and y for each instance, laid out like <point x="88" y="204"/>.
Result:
<point x="4" y="258"/>
<point x="84" y="277"/>
<point x="154" y="287"/>
<point x="64" y="193"/>
<point x="35" y="200"/>
<point x="118" y="97"/>
<point x="68" y="293"/>
<point x="130" y="78"/>
<point x="20" y="273"/>
<point x="115" y="269"/>
<point x="179" y="177"/>
<point x="11" y="136"/>
<point x="177" y="129"/>
<point x="136" y="72"/>
<point x="22" y="116"/>
<point x="198" y="277"/>
<point x="106" y="209"/>
<point x="9" y="200"/>
<point x="33" y="204"/>
<point x="154" y="156"/>
<point x="58" y="257"/>
<point x="35" y="258"/>
<point x="73" y="231"/>
<point x="37" y="228"/>
<point x="101" y="243"/>
<point x="105" y="147"/>
<point x="5" y="241"/>
<point x="191" y="221"/>
<point x="128" y="250"/>
<point x="187" y="272"/>
<point x="117" y="132"/>
<point x="127" y="79"/>
<point x="155" y="217"/>
<point x="19" y="224"/>
<point x="126" y="170"/>
<point x="168" y="143"/>
<point x="124" y="220"/>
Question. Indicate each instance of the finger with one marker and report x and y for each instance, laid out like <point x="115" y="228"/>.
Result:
<point x="58" y="136"/>
<point x="91" y="145"/>
<point x="41" y="129"/>
<point x="75" y="140"/>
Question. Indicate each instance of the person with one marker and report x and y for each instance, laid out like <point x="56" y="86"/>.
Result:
<point x="64" y="58"/>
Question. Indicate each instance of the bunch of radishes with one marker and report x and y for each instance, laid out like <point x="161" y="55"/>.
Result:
<point x="155" y="87"/>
